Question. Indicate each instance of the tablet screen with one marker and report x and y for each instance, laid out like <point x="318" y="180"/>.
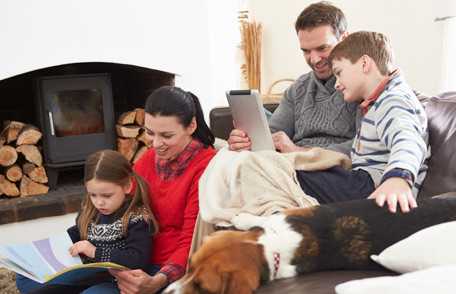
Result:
<point x="248" y="115"/>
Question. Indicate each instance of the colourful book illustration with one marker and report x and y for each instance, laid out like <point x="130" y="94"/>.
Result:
<point x="48" y="261"/>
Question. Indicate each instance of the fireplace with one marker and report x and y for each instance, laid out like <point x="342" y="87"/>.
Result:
<point x="76" y="115"/>
<point x="46" y="98"/>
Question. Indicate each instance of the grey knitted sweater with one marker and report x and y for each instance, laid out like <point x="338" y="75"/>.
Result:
<point x="313" y="113"/>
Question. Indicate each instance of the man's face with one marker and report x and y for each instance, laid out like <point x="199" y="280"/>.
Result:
<point x="349" y="79"/>
<point x="316" y="44"/>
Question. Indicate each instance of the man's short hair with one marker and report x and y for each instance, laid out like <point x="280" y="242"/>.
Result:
<point x="320" y="14"/>
<point x="375" y="45"/>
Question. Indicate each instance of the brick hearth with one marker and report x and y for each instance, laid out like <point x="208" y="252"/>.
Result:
<point x="65" y="199"/>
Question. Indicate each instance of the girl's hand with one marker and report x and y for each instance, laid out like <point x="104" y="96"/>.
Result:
<point x="394" y="191"/>
<point x="138" y="282"/>
<point x="83" y="247"/>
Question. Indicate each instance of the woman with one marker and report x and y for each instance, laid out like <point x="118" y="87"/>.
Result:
<point x="182" y="146"/>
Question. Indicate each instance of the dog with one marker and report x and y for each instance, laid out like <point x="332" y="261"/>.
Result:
<point x="298" y="241"/>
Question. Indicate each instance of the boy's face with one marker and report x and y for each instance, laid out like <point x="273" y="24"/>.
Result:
<point x="349" y="79"/>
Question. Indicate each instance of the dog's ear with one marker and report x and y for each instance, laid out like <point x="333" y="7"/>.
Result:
<point x="237" y="283"/>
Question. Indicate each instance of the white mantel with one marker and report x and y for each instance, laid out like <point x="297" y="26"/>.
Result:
<point x="177" y="36"/>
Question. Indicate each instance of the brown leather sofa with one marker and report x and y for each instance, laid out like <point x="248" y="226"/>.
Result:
<point x="441" y="178"/>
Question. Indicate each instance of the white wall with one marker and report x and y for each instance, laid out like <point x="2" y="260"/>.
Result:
<point x="190" y="38"/>
<point x="416" y="38"/>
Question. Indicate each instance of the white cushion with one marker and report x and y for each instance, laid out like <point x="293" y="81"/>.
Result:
<point x="439" y="280"/>
<point x="432" y="246"/>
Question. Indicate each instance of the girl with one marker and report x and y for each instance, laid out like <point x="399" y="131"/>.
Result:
<point x="112" y="226"/>
<point x="181" y="148"/>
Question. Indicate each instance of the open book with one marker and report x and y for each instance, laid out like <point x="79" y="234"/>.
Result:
<point x="48" y="261"/>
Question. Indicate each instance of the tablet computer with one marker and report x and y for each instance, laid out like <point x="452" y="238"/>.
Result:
<point x="249" y="116"/>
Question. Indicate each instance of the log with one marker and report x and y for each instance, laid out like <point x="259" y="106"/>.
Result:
<point x="35" y="173"/>
<point x="14" y="173"/>
<point x="139" y="119"/>
<point x="29" y="187"/>
<point x="127" y="118"/>
<point x="8" y="188"/>
<point x="127" y="147"/>
<point x="8" y="155"/>
<point x="11" y="130"/>
<point x="139" y="153"/>
<point x="31" y="153"/>
<point x="127" y="131"/>
<point x="29" y="135"/>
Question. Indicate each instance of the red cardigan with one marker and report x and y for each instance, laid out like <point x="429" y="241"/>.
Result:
<point x="175" y="206"/>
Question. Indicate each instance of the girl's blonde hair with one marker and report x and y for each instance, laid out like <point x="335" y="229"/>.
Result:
<point x="111" y="166"/>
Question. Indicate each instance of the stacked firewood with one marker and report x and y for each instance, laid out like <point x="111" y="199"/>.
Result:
<point x="131" y="138"/>
<point x="21" y="162"/>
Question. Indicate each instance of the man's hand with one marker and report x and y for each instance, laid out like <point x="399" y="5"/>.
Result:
<point x="138" y="282"/>
<point x="283" y="143"/>
<point x="392" y="191"/>
<point x="239" y="141"/>
<point x="83" y="247"/>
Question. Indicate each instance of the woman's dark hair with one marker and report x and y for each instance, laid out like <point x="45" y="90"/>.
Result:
<point x="173" y="101"/>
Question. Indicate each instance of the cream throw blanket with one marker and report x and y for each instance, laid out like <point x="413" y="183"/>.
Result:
<point x="259" y="183"/>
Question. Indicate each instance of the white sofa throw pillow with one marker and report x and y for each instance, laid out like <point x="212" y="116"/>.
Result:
<point x="438" y="279"/>
<point x="426" y="248"/>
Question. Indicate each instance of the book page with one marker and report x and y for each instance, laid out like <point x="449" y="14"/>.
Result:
<point x="39" y="259"/>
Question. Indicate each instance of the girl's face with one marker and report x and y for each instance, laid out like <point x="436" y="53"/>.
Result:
<point x="107" y="197"/>
<point x="167" y="135"/>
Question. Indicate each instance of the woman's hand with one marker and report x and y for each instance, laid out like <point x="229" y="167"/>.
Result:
<point x="83" y="247"/>
<point x="392" y="191"/>
<point x="138" y="282"/>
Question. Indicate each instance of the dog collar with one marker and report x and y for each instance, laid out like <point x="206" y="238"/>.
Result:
<point x="276" y="265"/>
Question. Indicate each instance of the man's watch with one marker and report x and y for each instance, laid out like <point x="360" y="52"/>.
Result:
<point x="399" y="173"/>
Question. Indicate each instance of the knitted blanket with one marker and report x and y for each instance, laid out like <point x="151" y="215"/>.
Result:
<point x="259" y="183"/>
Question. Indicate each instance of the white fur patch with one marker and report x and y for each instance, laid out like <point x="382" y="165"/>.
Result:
<point x="280" y="238"/>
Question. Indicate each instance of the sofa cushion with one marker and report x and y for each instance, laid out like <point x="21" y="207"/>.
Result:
<point x="438" y="279"/>
<point x="441" y="176"/>
<point x="424" y="249"/>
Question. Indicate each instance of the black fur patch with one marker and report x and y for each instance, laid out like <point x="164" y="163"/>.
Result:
<point x="344" y="235"/>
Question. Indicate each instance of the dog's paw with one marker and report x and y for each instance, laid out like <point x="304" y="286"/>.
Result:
<point x="245" y="221"/>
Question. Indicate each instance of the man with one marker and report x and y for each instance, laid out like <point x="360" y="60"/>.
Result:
<point x="312" y="112"/>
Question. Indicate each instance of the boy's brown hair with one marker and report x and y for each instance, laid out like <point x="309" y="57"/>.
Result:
<point x="320" y="14"/>
<point x="375" y="45"/>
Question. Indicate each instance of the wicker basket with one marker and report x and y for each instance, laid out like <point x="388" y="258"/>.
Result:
<point x="275" y="97"/>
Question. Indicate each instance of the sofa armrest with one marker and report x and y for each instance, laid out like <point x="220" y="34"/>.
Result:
<point x="221" y="121"/>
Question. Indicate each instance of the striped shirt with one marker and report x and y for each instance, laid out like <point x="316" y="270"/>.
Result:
<point x="393" y="134"/>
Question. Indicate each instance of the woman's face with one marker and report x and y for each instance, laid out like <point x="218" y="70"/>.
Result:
<point x="167" y="135"/>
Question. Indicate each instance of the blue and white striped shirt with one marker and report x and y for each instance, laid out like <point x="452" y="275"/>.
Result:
<point x="393" y="134"/>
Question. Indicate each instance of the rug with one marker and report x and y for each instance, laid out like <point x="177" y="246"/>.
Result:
<point x="7" y="282"/>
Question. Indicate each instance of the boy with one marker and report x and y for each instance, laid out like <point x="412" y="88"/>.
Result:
<point x="391" y="145"/>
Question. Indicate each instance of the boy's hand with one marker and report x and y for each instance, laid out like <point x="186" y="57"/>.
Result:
<point x="83" y="247"/>
<point x="394" y="190"/>
<point x="239" y="141"/>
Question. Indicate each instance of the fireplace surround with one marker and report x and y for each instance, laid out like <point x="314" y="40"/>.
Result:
<point x="130" y="85"/>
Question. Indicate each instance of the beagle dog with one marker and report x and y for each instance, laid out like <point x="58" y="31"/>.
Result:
<point x="298" y="241"/>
